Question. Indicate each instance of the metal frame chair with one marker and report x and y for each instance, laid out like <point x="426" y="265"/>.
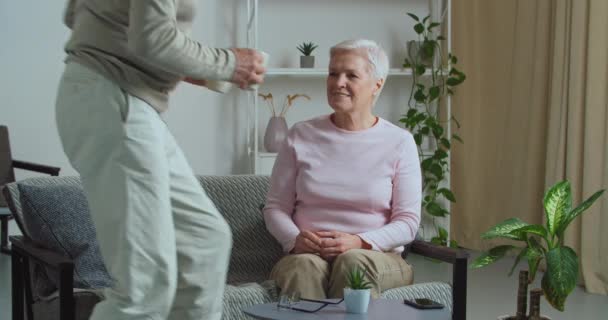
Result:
<point x="7" y="175"/>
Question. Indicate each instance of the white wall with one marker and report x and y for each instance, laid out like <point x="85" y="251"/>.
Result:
<point x="209" y="127"/>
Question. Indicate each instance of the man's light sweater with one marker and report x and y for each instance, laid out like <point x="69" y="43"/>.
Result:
<point x="142" y="45"/>
<point x="364" y="182"/>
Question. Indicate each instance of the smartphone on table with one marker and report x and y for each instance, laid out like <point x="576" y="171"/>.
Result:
<point x="423" y="303"/>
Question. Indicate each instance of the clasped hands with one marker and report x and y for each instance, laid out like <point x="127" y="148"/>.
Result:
<point x="327" y="244"/>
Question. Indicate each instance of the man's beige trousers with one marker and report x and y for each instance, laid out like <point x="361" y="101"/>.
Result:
<point x="162" y="239"/>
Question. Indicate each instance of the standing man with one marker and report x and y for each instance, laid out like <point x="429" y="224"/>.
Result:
<point x="163" y="242"/>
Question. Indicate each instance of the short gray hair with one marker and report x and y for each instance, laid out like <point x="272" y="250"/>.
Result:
<point x="375" y="55"/>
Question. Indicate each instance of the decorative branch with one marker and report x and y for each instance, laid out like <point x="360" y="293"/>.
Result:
<point x="289" y="102"/>
<point x="269" y="101"/>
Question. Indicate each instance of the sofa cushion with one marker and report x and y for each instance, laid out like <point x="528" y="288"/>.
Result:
<point x="254" y="249"/>
<point x="57" y="217"/>
<point x="237" y="298"/>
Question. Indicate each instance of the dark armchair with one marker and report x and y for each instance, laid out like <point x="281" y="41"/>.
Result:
<point x="7" y="175"/>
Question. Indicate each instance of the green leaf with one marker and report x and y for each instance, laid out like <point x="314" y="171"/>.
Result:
<point x="443" y="234"/>
<point x="447" y="194"/>
<point x="420" y="70"/>
<point x="445" y="142"/>
<point x="437" y="131"/>
<point x="425" y="130"/>
<point x="521" y="254"/>
<point x="419" y="96"/>
<point x="420" y="117"/>
<point x="453" y="59"/>
<point x="415" y="17"/>
<point x="534" y="254"/>
<point x="572" y="214"/>
<point x="419" y="28"/>
<point x="491" y="256"/>
<point x="436" y="170"/>
<point x="440" y="154"/>
<point x="426" y="163"/>
<point x="434" y="92"/>
<point x="451" y="81"/>
<point x="453" y="244"/>
<point x="426" y="18"/>
<point x="505" y="230"/>
<point x="557" y="202"/>
<point x="411" y="112"/>
<point x="457" y="137"/>
<point x="437" y="241"/>
<point x="434" y="209"/>
<point x="534" y="229"/>
<point x="440" y="38"/>
<point x="560" y="278"/>
<point x="433" y="25"/>
<point x="418" y="138"/>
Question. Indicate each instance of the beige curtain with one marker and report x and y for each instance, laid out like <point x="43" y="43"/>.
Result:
<point x="498" y="173"/>
<point x="578" y="132"/>
<point x="534" y="112"/>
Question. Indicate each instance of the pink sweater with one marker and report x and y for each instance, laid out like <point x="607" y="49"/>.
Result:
<point x="360" y="182"/>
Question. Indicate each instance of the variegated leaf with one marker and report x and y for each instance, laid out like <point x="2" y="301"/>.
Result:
<point x="560" y="278"/>
<point x="491" y="256"/>
<point x="534" y="229"/>
<point x="505" y="230"/>
<point x="557" y="203"/>
<point x="572" y="214"/>
<point x="534" y="254"/>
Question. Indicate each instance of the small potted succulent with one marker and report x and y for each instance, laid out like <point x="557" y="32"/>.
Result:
<point x="307" y="60"/>
<point x="358" y="292"/>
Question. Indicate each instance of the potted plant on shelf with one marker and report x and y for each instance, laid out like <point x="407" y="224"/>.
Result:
<point x="307" y="60"/>
<point x="276" y="129"/>
<point x="358" y="291"/>
<point x="541" y="242"/>
<point x="431" y="84"/>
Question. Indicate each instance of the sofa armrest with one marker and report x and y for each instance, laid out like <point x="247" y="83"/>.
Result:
<point x="458" y="258"/>
<point x="434" y="251"/>
<point x="23" y="251"/>
<point x="53" y="171"/>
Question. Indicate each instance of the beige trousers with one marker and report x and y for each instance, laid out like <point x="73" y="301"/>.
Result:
<point x="162" y="239"/>
<point x="315" y="278"/>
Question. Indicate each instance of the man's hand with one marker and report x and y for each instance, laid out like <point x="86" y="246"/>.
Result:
<point x="307" y="242"/>
<point x="334" y="243"/>
<point x="249" y="69"/>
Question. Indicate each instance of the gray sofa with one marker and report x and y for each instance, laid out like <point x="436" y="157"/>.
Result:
<point x="58" y="274"/>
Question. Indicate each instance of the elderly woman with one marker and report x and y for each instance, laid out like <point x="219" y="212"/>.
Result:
<point x="346" y="187"/>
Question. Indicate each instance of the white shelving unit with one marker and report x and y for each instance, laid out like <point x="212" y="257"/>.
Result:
<point x="261" y="161"/>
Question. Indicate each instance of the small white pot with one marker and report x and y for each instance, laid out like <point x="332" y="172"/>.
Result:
<point x="356" y="301"/>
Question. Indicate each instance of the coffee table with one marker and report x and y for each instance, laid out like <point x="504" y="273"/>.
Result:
<point x="379" y="309"/>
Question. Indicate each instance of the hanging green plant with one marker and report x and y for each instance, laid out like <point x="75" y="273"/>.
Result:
<point x="434" y="77"/>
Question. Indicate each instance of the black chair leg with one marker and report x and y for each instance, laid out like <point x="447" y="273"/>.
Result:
<point x="4" y="246"/>
<point x="17" y="286"/>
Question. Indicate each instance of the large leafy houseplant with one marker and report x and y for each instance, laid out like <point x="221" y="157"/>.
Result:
<point x="543" y="242"/>
<point x="431" y="84"/>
